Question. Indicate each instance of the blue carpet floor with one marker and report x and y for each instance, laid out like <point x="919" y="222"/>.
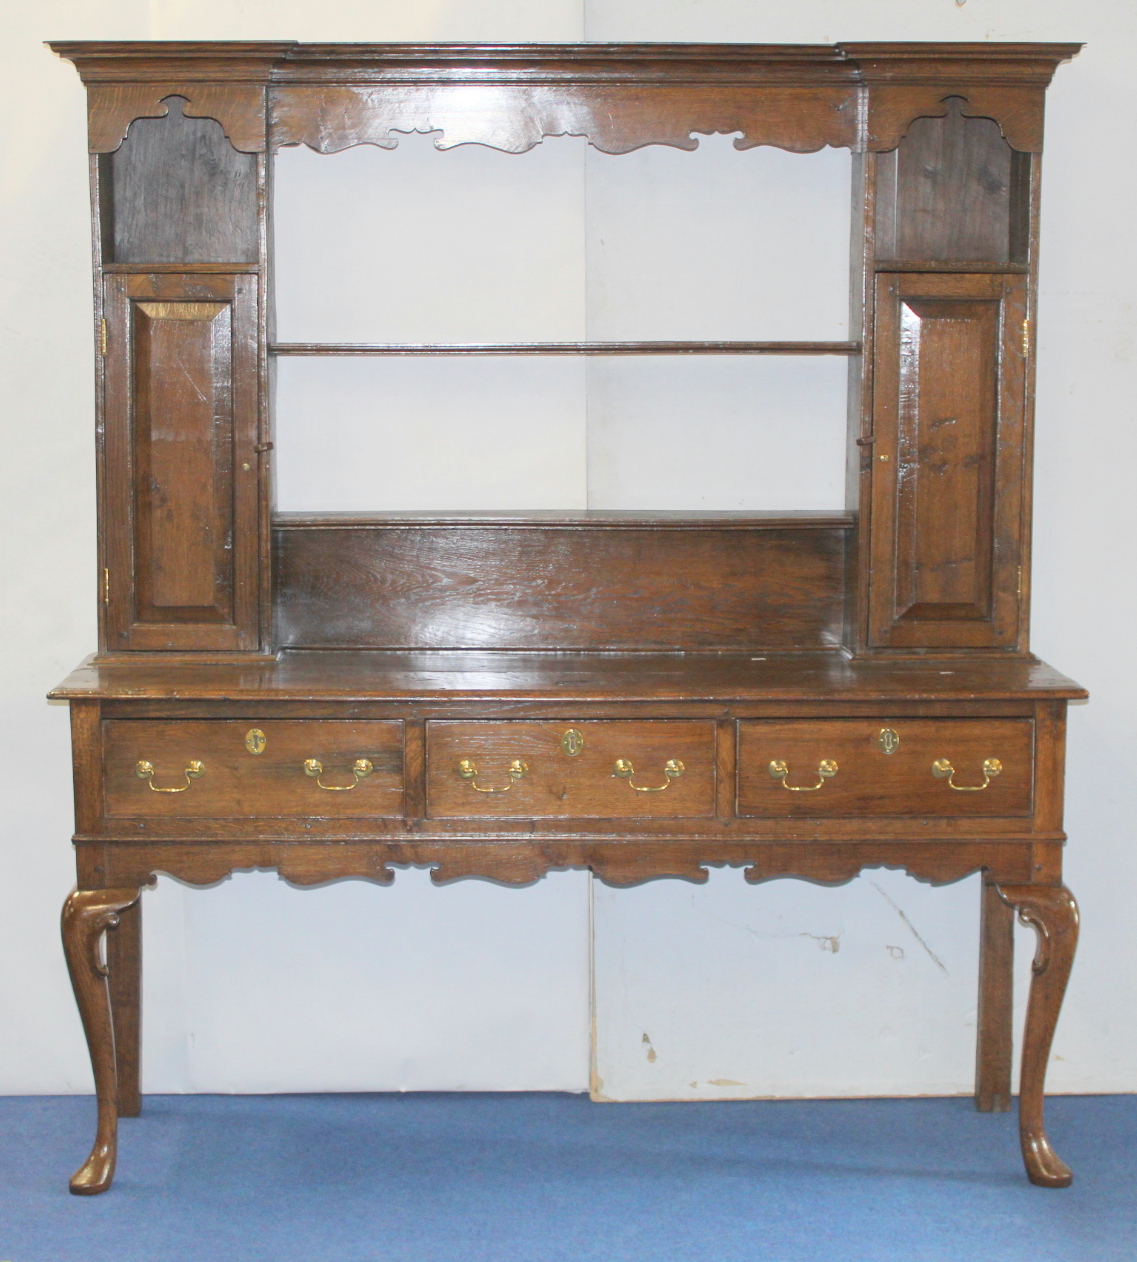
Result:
<point x="538" y="1178"/>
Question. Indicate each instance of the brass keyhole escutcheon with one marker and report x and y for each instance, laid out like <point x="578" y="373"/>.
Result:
<point x="255" y="740"/>
<point x="572" y="742"/>
<point x="888" y="738"/>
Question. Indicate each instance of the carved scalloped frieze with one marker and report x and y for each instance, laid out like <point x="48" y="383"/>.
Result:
<point x="893" y="108"/>
<point x="614" y="863"/>
<point x="940" y="863"/>
<point x="238" y="107"/>
<point x="515" y="117"/>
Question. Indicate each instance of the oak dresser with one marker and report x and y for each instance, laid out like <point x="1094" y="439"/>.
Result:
<point x="641" y="694"/>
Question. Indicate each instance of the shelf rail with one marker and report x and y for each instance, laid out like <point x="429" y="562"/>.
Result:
<point x="565" y="348"/>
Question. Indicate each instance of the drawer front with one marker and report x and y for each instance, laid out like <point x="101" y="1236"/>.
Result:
<point x="620" y="769"/>
<point x="935" y="767"/>
<point x="234" y="782"/>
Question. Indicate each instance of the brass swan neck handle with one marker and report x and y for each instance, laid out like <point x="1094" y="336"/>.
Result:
<point x="672" y="769"/>
<point x="779" y="770"/>
<point x="943" y="770"/>
<point x="144" y="770"/>
<point x="360" y="770"/>
<point x="468" y="770"/>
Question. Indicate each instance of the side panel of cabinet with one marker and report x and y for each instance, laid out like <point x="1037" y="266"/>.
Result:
<point x="180" y="513"/>
<point x="948" y="468"/>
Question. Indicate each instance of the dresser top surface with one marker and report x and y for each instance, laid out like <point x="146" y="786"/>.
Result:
<point x="364" y="675"/>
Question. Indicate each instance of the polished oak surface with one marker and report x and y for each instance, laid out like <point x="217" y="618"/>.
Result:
<point x="593" y="582"/>
<point x="630" y="770"/>
<point x="885" y="766"/>
<point x="362" y="676"/>
<point x="253" y="767"/>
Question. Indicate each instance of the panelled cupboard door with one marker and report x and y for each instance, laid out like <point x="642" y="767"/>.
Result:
<point x="950" y="429"/>
<point x="180" y="510"/>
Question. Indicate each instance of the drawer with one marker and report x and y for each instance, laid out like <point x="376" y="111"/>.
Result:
<point x="612" y="769"/>
<point x="233" y="781"/>
<point x="865" y="780"/>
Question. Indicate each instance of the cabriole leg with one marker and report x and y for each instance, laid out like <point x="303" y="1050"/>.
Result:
<point x="87" y="914"/>
<point x="1053" y="914"/>
<point x="995" y="1023"/>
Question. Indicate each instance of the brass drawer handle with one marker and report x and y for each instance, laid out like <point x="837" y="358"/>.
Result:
<point x="468" y="770"/>
<point x="360" y="769"/>
<point x="672" y="769"/>
<point x="826" y="769"/>
<point x="145" y="771"/>
<point x="943" y="770"/>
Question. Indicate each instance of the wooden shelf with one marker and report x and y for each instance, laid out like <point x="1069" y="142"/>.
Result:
<point x="628" y="519"/>
<point x="565" y="348"/>
<point x="966" y="267"/>
<point x="180" y="269"/>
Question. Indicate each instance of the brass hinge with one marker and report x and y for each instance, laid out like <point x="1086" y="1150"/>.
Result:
<point x="102" y="337"/>
<point x="1019" y="589"/>
<point x="1026" y="338"/>
<point x="106" y="586"/>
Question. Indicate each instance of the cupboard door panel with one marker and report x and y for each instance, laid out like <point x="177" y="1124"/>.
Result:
<point x="949" y="420"/>
<point x="181" y="490"/>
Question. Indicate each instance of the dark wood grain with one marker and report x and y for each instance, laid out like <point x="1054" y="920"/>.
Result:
<point x="181" y="492"/>
<point x="559" y="586"/>
<point x="239" y="108"/>
<point x="994" y="1019"/>
<point x="182" y="193"/>
<point x="1003" y="81"/>
<point x="1053" y="914"/>
<point x="815" y="678"/>
<point x="870" y="782"/>
<point x="951" y="190"/>
<point x="615" y="120"/>
<point x="621" y="96"/>
<point x="522" y="860"/>
<point x="87" y="915"/>
<point x="124" y="983"/>
<point x="948" y="462"/>
<point x="573" y="787"/>
<point x="238" y="784"/>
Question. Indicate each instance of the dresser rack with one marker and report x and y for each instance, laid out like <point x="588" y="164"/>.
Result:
<point x="640" y="694"/>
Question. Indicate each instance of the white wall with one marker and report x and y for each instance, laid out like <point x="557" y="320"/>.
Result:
<point x="739" y="990"/>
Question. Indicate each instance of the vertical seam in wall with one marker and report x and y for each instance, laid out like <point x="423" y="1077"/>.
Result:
<point x="587" y="366"/>
<point x="584" y="35"/>
<point x="593" y="1081"/>
<point x="189" y="1009"/>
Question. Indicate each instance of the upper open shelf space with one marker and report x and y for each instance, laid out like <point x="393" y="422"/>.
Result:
<point x="560" y="245"/>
